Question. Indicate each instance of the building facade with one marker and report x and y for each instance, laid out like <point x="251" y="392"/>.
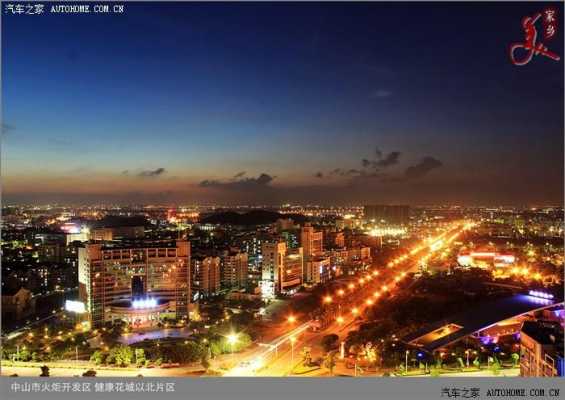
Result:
<point x="311" y="241"/>
<point x="282" y="268"/>
<point x="205" y="275"/>
<point x="541" y="349"/>
<point x="120" y="275"/>
<point x="293" y="270"/>
<point x="234" y="269"/>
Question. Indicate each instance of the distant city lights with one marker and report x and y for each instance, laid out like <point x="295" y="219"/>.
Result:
<point x="387" y="231"/>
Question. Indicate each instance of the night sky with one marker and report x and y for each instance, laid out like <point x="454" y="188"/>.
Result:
<point x="262" y="103"/>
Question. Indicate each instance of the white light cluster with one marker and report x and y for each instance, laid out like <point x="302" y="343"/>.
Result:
<point x="75" y="306"/>
<point x="144" y="303"/>
<point x="387" y="231"/>
<point x="540" y="294"/>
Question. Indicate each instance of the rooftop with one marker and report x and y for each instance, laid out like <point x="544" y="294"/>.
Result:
<point x="543" y="332"/>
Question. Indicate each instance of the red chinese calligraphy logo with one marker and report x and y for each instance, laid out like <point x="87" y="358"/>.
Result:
<point x="531" y="47"/>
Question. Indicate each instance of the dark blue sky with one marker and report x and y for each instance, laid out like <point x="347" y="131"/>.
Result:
<point x="259" y="102"/>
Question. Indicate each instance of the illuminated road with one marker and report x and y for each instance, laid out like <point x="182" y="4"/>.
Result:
<point x="277" y="358"/>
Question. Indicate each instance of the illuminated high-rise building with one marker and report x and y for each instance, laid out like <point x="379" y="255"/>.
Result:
<point x="115" y="280"/>
<point x="205" y="275"/>
<point x="293" y="270"/>
<point x="311" y="241"/>
<point x="234" y="269"/>
<point x="313" y="245"/>
<point x="282" y="268"/>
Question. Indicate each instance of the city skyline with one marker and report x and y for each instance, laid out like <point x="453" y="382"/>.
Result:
<point x="276" y="103"/>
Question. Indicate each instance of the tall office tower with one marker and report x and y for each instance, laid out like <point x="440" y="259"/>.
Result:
<point x="137" y="281"/>
<point x="234" y="269"/>
<point x="282" y="268"/>
<point x="293" y="270"/>
<point x="205" y="275"/>
<point x="389" y="214"/>
<point x="311" y="241"/>
<point x="272" y="263"/>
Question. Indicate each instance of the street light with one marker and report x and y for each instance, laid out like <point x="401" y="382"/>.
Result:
<point x="406" y="362"/>
<point x="292" y="340"/>
<point x="467" y="354"/>
<point x="291" y="319"/>
<point x="327" y="299"/>
<point x="355" y="311"/>
<point x="339" y="320"/>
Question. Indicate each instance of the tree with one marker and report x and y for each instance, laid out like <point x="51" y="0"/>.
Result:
<point x="329" y="342"/>
<point x="215" y="348"/>
<point x="495" y="367"/>
<point x="477" y="363"/>
<point x="515" y="359"/>
<point x="243" y="319"/>
<point x="139" y="357"/>
<point x="215" y="312"/>
<point x="329" y="361"/>
<point x="97" y="357"/>
<point x="25" y="355"/>
<point x="121" y="355"/>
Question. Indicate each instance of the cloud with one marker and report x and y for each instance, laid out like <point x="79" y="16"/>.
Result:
<point x="239" y="182"/>
<point x="379" y="162"/>
<point x="152" y="173"/>
<point x="421" y="169"/>
<point x="390" y="159"/>
<point x="378" y="152"/>
<point x="263" y="179"/>
<point x="343" y="172"/>
<point x="371" y="167"/>
<point x="377" y="168"/>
